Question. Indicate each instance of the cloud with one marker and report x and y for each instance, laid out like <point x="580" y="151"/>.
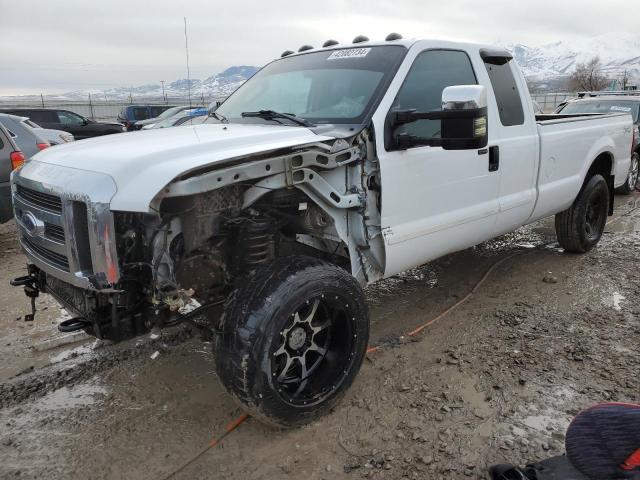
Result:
<point x="72" y="44"/>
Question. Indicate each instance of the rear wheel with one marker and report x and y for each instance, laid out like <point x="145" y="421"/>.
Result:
<point x="294" y="337"/>
<point x="632" y="178"/>
<point x="580" y="227"/>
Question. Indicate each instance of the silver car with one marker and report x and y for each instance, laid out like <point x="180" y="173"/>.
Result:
<point x="54" y="137"/>
<point x="24" y="136"/>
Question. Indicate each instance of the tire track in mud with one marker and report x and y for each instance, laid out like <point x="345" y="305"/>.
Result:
<point x="38" y="382"/>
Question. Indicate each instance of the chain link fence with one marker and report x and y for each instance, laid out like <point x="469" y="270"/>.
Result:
<point x="102" y="110"/>
<point x="107" y="111"/>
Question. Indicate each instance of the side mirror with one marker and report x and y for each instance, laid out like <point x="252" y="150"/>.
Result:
<point x="465" y="125"/>
<point x="463" y="121"/>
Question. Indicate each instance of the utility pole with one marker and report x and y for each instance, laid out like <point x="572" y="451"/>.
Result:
<point x="186" y="48"/>
<point x="164" y="97"/>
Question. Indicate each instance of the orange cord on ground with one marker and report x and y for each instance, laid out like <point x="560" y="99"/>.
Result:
<point x="213" y="443"/>
<point x="419" y="328"/>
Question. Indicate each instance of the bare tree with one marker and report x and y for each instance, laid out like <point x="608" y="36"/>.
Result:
<point x="623" y="80"/>
<point x="588" y="76"/>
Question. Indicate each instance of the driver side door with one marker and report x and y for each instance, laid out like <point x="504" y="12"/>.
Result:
<point x="434" y="201"/>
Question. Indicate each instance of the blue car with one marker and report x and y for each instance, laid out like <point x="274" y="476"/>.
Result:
<point x="130" y="114"/>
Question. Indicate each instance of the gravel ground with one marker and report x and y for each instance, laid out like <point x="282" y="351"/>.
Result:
<point x="497" y="379"/>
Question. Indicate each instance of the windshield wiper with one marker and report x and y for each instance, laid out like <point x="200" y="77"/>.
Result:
<point x="270" y="114"/>
<point x="219" y="116"/>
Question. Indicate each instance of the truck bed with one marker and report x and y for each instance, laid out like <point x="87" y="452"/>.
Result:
<point x="565" y="142"/>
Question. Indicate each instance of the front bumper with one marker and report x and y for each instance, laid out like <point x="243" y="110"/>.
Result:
<point x="64" y="223"/>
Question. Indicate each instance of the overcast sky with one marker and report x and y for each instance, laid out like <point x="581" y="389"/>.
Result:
<point x="53" y="46"/>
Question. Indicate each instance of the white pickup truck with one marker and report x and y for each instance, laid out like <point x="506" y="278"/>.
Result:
<point x="330" y="169"/>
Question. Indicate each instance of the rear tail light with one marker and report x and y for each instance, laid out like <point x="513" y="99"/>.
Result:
<point x="42" y="146"/>
<point x="17" y="159"/>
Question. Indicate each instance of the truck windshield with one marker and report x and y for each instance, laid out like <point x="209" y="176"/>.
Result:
<point x="603" y="106"/>
<point x="332" y="86"/>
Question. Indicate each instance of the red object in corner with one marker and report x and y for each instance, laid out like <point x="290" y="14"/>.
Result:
<point x="632" y="462"/>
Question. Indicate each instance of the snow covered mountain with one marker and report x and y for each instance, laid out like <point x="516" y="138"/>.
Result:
<point x="618" y="52"/>
<point x="217" y="86"/>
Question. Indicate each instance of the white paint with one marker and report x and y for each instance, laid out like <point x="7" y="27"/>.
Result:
<point x="142" y="163"/>
<point x="436" y="202"/>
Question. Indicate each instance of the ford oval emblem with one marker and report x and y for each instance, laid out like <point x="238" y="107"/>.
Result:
<point x="30" y="223"/>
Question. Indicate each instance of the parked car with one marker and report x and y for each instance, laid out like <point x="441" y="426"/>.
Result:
<point x="606" y="103"/>
<point x="77" y="125"/>
<point x="164" y="115"/>
<point x="327" y="171"/>
<point x="24" y="136"/>
<point x="54" y="137"/>
<point x="131" y="114"/>
<point x="178" y="119"/>
<point x="10" y="158"/>
<point x="192" y="120"/>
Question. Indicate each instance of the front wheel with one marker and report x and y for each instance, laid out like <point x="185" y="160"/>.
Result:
<point x="580" y="227"/>
<point x="293" y="339"/>
<point x="632" y="178"/>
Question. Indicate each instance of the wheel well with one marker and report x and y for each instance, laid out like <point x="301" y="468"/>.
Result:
<point x="601" y="165"/>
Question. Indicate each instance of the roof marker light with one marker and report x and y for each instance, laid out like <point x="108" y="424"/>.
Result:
<point x="360" y="39"/>
<point x="330" y="43"/>
<point x="304" y="48"/>
<point x="286" y="53"/>
<point x="393" y="36"/>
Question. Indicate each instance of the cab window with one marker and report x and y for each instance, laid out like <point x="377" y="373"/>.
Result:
<point x="432" y="71"/>
<point x="506" y="92"/>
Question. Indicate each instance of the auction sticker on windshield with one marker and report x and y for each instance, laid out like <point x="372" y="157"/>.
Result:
<point x="349" y="53"/>
<point x="616" y="108"/>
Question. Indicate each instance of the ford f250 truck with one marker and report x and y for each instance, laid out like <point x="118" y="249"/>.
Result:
<point x="328" y="170"/>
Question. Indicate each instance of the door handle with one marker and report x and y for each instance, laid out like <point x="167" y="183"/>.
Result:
<point x="494" y="158"/>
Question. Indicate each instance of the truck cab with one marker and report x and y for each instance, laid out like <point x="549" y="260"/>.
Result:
<point x="328" y="170"/>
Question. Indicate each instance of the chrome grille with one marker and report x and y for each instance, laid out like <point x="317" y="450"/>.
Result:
<point x="49" y="202"/>
<point x="49" y="256"/>
<point x="54" y="232"/>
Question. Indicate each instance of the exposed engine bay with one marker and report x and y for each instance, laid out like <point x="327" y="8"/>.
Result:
<point x="211" y="229"/>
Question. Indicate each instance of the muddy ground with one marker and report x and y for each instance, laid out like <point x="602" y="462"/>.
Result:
<point x="496" y="380"/>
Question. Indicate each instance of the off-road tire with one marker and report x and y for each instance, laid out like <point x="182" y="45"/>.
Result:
<point x="254" y="329"/>
<point x="575" y="232"/>
<point x="630" y="185"/>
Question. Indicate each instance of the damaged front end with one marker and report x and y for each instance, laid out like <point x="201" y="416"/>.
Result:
<point x="124" y="273"/>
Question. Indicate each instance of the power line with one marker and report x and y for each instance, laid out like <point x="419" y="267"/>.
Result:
<point x="186" y="47"/>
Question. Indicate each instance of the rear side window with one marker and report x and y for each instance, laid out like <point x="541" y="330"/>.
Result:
<point x="43" y="116"/>
<point x="507" y="93"/>
<point x="140" y="113"/>
<point x="155" y="111"/>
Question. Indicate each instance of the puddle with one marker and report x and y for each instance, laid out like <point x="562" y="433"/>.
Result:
<point x="548" y="422"/>
<point x="71" y="353"/>
<point x="65" y="397"/>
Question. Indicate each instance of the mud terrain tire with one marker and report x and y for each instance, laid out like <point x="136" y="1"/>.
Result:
<point x="294" y="336"/>
<point x="580" y="227"/>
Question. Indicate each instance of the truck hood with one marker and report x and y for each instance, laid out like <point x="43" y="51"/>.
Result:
<point x="142" y="163"/>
